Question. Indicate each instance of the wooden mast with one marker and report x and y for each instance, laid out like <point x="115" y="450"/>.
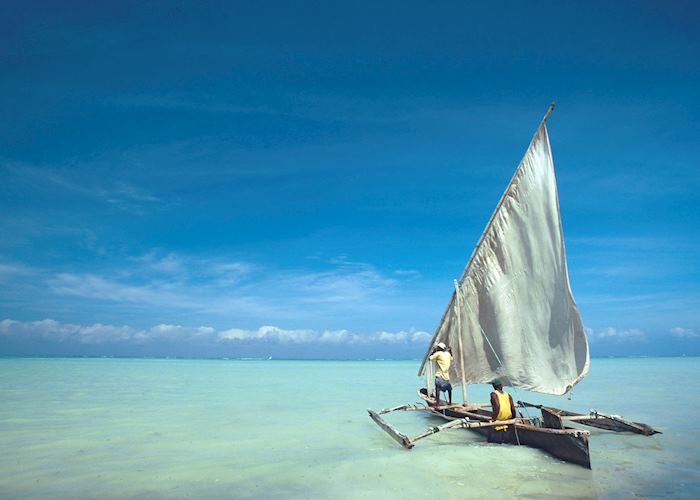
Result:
<point x="459" y="340"/>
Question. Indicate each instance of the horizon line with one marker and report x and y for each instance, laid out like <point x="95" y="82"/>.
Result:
<point x="271" y="358"/>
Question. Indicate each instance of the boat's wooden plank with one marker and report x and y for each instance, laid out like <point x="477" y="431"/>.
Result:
<point x="551" y="420"/>
<point x="521" y="423"/>
<point x="401" y="438"/>
<point x="475" y="416"/>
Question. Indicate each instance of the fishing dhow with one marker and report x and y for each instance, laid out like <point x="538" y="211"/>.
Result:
<point x="512" y="316"/>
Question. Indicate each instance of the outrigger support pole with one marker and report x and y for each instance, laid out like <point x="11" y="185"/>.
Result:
<point x="462" y="423"/>
<point x="412" y="407"/>
<point x="409" y="442"/>
<point x="597" y="419"/>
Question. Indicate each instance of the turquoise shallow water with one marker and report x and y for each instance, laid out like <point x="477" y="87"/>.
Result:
<point x="148" y="428"/>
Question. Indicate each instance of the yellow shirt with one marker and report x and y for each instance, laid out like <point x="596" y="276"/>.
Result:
<point x="444" y="360"/>
<point x="504" y="412"/>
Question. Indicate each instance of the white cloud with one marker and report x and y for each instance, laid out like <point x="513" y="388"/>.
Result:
<point x="274" y="334"/>
<point x="177" y="332"/>
<point x="339" y="337"/>
<point x="420" y="337"/>
<point x="215" y="285"/>
<point x="611" y="334"/>
<point x="402" y="337"/>
<point x="184" y="268"/>
<point x="347" y="283"/>
<point x="232" y="267"/>
<point x="119" y="194"/>
<point x="269" y="334"/>
<point x="158" y="284"/>
<point x="11" y="270"/>
<point x="51" y="330"/>
<point x="630" y="270"/>
<point x="96" y="287"/>
<point x="684" y="333"/>
<point x="392" y="338"/>
<point x="407" y="273"/>
<point x="623" y="300"/>
<point x="169" y="263"/>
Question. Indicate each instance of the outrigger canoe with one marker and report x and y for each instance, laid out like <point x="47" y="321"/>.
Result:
<point x="547" y="432"/>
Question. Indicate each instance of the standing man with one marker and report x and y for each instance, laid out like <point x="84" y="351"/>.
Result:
<point x="503" y="409"/>
<point x="442" y="355"/>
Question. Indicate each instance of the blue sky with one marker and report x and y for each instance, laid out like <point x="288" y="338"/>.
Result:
<point x="306" y="179"/>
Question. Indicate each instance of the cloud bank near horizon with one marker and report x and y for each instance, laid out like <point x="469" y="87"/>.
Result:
<point x="51" y="337"/>
<point x="55" y="331"/>
<point x="167" y="287"/>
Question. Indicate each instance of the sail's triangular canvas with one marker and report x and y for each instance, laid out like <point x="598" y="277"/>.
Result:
<point x="517" y="316"/>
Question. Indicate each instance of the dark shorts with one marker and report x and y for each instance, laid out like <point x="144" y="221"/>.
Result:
<point x="442" y="384"/>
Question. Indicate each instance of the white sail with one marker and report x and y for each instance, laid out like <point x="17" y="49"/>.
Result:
<point x="518" y="319"/>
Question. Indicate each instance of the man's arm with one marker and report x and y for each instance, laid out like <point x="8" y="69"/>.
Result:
<point x="494" y="406"/>
<point x="512" y="407"/>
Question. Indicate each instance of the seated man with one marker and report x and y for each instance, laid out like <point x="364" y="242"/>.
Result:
<point x="442" y="355"/>
<point x="503" y="409"/>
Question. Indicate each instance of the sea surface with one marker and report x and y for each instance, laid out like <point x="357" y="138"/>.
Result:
<point x="168" y="428"/>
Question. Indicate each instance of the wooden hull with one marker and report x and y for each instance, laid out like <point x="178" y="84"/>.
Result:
<point x="567" y="443"/>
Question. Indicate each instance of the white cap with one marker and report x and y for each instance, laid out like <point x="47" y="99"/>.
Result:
<point x="441" y="345"/>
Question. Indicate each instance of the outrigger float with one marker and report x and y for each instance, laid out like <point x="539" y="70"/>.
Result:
<point x="512" y="316"/>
